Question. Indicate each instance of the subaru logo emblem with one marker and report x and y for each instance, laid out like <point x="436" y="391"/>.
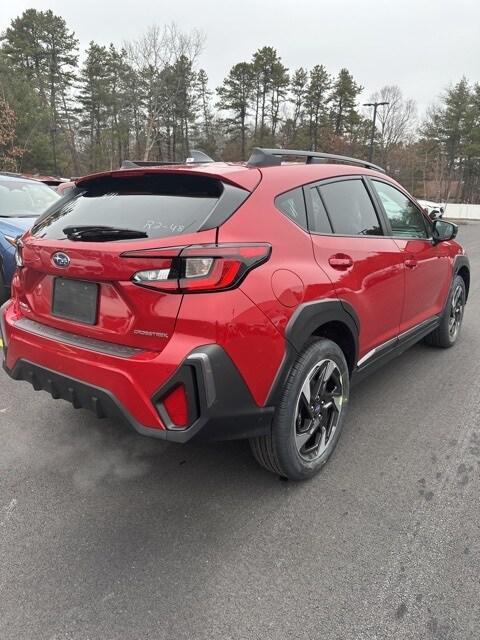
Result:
<point x="61" y="259"/>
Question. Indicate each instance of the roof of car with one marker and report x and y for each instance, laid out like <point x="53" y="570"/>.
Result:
<point x="49" y="180"/>
<point x="285" y="176"/>
<point x="235" y="173"/>
<point x="5" y="176"/>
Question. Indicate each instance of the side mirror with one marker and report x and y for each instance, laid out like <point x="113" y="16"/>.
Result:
<point x="443" y="231"/>
<point x="433" y="215"/>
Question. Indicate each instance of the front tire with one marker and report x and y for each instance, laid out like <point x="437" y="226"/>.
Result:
<point x="310" y="415"/>
<point x="446" y="334"/>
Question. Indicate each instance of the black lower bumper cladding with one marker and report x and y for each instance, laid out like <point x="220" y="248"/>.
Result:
<point x="220" y="406"/>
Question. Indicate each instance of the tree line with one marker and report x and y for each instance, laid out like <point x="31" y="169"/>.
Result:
<point x="150" y="100"/>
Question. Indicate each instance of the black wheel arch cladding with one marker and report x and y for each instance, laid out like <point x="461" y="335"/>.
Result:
<point x="307" y="321"/>
<point x="462" y="268"/>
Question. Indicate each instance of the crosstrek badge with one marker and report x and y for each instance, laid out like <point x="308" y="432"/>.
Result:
<point x="156" y="334"/>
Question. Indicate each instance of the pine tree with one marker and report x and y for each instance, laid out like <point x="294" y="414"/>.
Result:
<point x="317" y="99"/>
<point x="271" y="85"/>
<point x="39" y="45"/>
<point x="205" y="132"/>
<point x="298" y="93"/>
<point x="344" y="99"/>
<point x="32" y="119"/>
<point x="447" y="125"/>
<point x="235" y="96"/>
<point x="471" y="177"/>
<point x="93" y="102"/>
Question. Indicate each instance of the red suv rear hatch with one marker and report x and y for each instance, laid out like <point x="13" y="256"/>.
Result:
<point x="76" y="276"/>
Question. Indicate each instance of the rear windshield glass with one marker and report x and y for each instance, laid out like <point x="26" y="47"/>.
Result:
<point x="160" y="205"/>
<point x="24" y="199"/>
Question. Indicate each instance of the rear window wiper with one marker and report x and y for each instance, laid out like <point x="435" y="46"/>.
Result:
<point x="95" y="233"/>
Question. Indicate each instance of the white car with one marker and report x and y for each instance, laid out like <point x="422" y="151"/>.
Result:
<point x="434" y="209"/>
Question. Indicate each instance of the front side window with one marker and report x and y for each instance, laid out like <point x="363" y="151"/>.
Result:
<point x="350" y="208"/>
<point x="405" y="219"/>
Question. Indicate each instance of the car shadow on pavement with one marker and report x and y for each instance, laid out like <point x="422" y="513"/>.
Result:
<point x="97" y="452"/>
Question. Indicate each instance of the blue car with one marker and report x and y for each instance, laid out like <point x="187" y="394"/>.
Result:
<point x="21" y="202"/>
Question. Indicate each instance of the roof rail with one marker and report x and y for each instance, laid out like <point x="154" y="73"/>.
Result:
<point x="273" y="157"/>
<point x="196" y="157"/>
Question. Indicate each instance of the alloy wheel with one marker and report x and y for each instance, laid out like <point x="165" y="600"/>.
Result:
<point x="456" y="312"/>
<point x="318" y="409"/>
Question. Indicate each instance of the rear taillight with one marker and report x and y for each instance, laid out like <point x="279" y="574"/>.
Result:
<point x="200" y="268"/>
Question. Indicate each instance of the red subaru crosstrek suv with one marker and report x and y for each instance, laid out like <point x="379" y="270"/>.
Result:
<point x="229" y="301"/>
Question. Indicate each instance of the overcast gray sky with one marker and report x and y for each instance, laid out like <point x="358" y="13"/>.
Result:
<point x="421" y="45"/>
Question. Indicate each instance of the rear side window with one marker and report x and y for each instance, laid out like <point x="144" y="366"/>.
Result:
<point x="350" y="209"/>
<point x="292" y="204"/>
<point x="160" y="205"/>
<point x="319" y="222"/>
<point x="405" y="219"/>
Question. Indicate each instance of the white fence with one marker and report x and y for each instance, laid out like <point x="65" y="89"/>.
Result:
<point x="462" y="211"/>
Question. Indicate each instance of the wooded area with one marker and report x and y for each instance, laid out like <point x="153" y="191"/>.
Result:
<point x="151" y="100"/>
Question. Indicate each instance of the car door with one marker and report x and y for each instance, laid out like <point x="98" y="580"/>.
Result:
<point x="365" y="266"/>
<point x="427" y="265"/>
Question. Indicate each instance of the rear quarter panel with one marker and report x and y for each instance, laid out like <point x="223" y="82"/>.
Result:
<point x="291" y="276"/>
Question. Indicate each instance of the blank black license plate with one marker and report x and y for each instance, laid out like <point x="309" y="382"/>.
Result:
<point x="75" y="300"/>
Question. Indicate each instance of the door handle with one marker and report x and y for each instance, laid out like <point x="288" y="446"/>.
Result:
<point x="411" y="263"/>
<point x="340" y="261"/>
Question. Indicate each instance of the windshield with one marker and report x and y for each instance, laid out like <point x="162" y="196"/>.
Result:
<point x="155" y="206"/>
<point x="24" y="199"/>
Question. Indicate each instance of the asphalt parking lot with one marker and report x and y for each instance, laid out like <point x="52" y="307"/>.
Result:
<point x="108" y="535"/>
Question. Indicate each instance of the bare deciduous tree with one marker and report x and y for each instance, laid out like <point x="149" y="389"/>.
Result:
<point x="395" y="120"/>
<point x="164" y="59"/>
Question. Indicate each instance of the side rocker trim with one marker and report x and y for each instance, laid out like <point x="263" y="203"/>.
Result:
<point x="385" y="352"/>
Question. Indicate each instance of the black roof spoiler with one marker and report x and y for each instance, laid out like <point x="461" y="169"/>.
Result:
<point x="273" y="158"/>
<point x="196" y="157"/>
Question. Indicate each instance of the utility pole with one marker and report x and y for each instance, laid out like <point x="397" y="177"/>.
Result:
<point x="375" y="106"/>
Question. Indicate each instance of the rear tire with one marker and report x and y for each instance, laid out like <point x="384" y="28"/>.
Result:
<point x="446" y="334"/>
<point x="310" y="415"/>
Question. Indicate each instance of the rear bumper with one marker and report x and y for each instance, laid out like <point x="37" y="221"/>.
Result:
<point x="132" y="389"/>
